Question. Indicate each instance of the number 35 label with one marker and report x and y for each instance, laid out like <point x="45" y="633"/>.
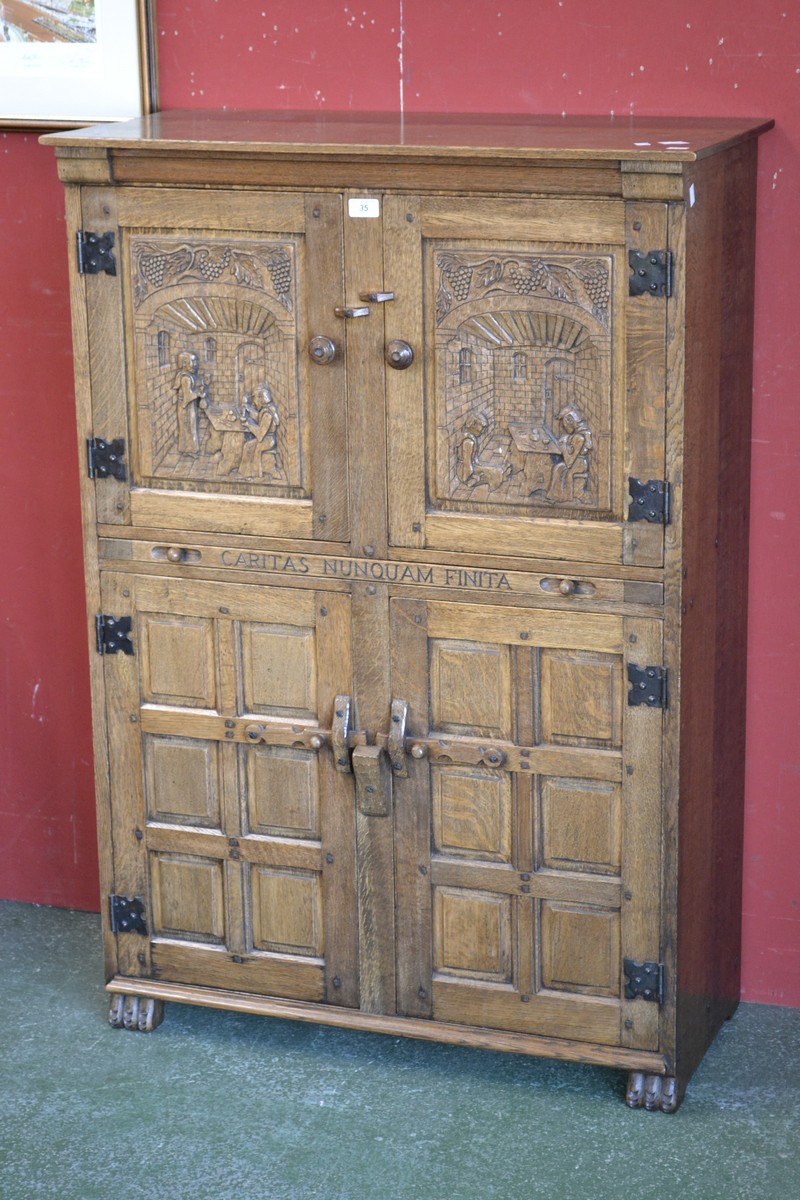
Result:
<point x="363" y="207"/>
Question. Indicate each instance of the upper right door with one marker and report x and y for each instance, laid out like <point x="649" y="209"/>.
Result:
<point x="536" y="391"/>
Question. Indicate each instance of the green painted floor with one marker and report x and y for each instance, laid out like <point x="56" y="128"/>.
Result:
<point x="217" y="1106"/>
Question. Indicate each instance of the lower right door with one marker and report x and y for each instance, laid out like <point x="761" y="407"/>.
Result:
<point x="528" y="827"/>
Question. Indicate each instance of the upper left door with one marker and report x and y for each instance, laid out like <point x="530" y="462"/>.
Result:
<point x="218" y="362"/>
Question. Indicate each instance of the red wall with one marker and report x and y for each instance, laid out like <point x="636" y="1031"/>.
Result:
<point x="721" y="57"/>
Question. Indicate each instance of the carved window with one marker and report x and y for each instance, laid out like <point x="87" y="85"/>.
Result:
<point x="465" y="366"/>
<point x="210" y="350"/>
<point x="163" y="349"/>
<point x="519" y="367"/>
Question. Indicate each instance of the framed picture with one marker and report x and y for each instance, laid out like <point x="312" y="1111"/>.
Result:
<point x="74" y="62"/>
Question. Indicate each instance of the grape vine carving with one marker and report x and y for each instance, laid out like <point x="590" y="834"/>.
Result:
<point x="267" y="269"/>
<point x="581" y="281"/>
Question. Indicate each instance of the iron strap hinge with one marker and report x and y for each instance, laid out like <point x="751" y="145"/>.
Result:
<point x="106" y="458"/>
<point x="650" y="500"/>
<point x="648" y="686"/>
<point x="113" y="634"/>
<point x="643" y="980"/>
<point x="651" y="273"/>
<point x="96" y="253"/>
<point x="127" y="914"/>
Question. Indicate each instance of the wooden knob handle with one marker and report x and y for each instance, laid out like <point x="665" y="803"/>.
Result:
<point x="399" y="354"/>
<point x="567" y="587"/>
<point x="175" y="554"/>
<point x="316" y="742"/>
<point x="418" y="750"/>
<point x="322" y="350"/>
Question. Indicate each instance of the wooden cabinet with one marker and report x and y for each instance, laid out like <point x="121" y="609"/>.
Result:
<point x="415" y="525"/>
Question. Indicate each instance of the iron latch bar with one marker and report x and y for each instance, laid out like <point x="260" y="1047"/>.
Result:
<point x="643" y="980"/>
<point x="96" y="253"/>
<point x="651" y="273"/>
<point x="113" y="634"/>
<point x="648" y="686"/>
<point x="106" y="458"/>
<point x="127" y="914"/>
<point x="396" y="741"/>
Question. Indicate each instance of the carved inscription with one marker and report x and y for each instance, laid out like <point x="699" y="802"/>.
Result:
<point x="367" y="568"/>
<point x="523" y="395"/>
<point x="215" y="358"/>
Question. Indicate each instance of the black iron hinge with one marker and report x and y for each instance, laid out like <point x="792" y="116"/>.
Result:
<point x="106" y="458"/>
<point x="648" y="686"/>
<point x="651" y="273"/>
<point x="650" y="500"/>
<point x="96" y="253"/>
<point x="127" y="914"/>
<point x="113" y="634"/>
<point x="643" y="980"/>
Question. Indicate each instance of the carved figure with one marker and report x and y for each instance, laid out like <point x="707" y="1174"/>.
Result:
<point x="468" y="447"/>
<point x="470" y="469"/>
<point x="190" y="392"/>
<point x="261" y="420"/>
<point x="569" y="478"/>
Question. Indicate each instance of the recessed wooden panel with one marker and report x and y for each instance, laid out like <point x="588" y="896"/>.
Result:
<point x="188" y="897"/>
<point x="177" y="660"/>
<point x="470" y="688"/>
<point x="471" y="812"/>
<point x="580" y="825"/>
<point x="472" y="934"/>
<point x="279" y="669"/>
<point x="182" y="780"/>
<point x="581" y="698"/>
<point x="282" y="791"/>
<point x="580" y="949"/>
<point x="287" y="911"/>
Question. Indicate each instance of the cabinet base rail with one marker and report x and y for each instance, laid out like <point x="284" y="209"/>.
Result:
<point x="644" y="1061"/>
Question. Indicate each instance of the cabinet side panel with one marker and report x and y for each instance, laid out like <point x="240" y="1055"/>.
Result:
<point x="719" y="318"/>
<point x="83" y="402"/>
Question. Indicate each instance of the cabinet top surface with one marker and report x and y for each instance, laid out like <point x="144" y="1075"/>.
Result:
<point x="418" y="135"/>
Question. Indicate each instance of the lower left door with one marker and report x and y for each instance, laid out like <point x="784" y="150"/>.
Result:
<point x="229" y="819"/>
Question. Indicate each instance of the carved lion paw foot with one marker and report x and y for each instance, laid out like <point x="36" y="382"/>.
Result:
<point x="141" y="1013"/>
<point x="656" y="1093"/>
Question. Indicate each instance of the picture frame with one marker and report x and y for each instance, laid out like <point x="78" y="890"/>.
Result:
<point x="67" y="63"/>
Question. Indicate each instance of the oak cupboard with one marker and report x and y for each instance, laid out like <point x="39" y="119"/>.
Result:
<point x="415" y="499"/>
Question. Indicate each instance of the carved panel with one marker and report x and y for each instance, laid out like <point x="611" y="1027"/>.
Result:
<point x="279" y="670"/>
<point x="580" y="949"/>
<point x="472" y="813"/>
<point x="215" y="359"/>
<point x="182" y="781"/>
<point x="470" y="688"/>
<point x="188" y="897"/>
<point x="282" y="791"/>
<point x="581" y="698"/>
<point x="287" y="911"/>
<point x="472" y="934"/>
<point x="523" y="413"/>
<point x="177" y="660"/>
<point x="580" y="825"/>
